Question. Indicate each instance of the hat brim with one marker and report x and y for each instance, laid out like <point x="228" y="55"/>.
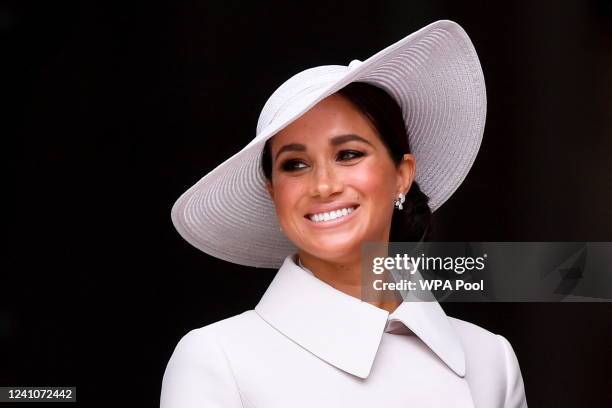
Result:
<point x="435" y="76"/>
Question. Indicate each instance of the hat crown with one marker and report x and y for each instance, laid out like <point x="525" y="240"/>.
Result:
<point x="297" y="92"/>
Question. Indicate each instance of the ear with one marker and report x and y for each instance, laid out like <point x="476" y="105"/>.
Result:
<point x="405" y="173"/>
<point x="270" y="189"/>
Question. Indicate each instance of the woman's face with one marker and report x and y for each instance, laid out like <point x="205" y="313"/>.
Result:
<point x="333" y="181"/>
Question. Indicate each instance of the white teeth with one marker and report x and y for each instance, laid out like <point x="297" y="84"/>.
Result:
<point x="332" y="215"/>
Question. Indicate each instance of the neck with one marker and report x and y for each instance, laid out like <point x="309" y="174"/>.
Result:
<point x="345" y="276"/>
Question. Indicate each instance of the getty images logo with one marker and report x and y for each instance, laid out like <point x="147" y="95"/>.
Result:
<point x="405" y="262"/>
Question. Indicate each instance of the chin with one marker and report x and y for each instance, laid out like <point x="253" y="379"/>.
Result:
<point x="335" y="251"/>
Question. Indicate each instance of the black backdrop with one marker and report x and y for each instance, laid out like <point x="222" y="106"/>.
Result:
<point x="115" y="108"/>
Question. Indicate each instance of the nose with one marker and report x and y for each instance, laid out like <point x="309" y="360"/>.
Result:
<point x="325" y="181"/>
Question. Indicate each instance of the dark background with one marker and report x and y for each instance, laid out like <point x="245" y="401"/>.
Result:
<point x="115" y="108"/>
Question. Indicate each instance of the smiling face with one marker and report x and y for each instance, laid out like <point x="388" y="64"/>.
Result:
<point x="333" y="181"/>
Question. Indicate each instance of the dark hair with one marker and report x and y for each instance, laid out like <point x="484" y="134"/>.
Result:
<point x="414" y="221"/>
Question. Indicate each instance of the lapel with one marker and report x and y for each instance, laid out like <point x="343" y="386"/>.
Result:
<point x="344" y="331"/>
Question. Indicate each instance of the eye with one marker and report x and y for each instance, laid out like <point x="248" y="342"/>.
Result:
<point x="345" y="155"/>
<point x="293" y="165"/>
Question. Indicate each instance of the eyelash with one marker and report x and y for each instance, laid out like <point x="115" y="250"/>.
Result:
<point x="287" y="165"/>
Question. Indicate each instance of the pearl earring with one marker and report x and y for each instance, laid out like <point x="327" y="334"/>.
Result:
<point x="399" y="201"/>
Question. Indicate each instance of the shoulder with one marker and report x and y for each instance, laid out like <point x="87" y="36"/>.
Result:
<point x="212" y="336"/>
<point x="474" y="334"/>
<point x="475" y="337"/>
<point x="199" y="371"/>
<point x="208" y="344"/>
<point x="482" y="348"/>
<point x="492" y="346"/>
<point x="491" y="363"/>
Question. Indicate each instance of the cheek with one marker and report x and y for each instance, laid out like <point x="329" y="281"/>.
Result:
<point x="373" y="180"/>
<point x="287" y="192"/>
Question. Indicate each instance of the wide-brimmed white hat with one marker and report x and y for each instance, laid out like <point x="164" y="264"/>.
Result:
<point x="435" y="77"/>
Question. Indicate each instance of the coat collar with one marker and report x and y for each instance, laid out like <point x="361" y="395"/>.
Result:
<point x="344" y="331"/>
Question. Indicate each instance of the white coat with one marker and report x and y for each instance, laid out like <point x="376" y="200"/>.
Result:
<point x="307" y="344"/>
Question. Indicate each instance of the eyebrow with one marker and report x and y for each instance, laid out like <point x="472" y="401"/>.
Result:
<point x="334" y="141"/>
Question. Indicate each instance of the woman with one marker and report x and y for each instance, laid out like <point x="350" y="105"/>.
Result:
<point x="343" y="155"/>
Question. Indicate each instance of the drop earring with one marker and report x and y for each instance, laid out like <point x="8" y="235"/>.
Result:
<point x="399" y="201"/>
